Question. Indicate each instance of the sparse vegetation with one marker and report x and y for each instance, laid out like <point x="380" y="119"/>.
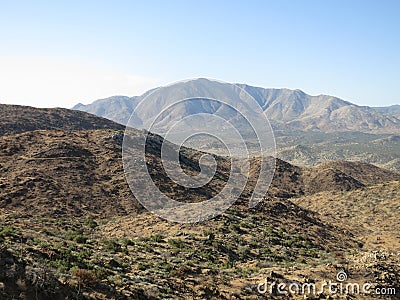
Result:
<point x="102" y="244"/>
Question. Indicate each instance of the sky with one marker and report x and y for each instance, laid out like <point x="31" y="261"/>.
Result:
<point x="58" y="53"/>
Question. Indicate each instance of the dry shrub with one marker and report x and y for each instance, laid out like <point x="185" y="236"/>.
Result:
<point x="85" y="277"/>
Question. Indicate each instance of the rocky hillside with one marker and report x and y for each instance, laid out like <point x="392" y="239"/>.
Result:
<point x="71" y="229"/>
<point x="16" y="119"/>
<point x="368" y="210"/>
<point x="81" y="172"/>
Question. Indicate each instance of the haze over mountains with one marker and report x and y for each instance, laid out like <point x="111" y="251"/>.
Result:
<point x="116" y="108"/>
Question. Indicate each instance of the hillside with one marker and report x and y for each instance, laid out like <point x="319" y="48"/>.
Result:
<point x="368" y="211"/>
<point x="393" y="110"/>
<point x="292" y="181"/>
<point x="311" y="149"/>
<point x="71" y="228"/>
<point x="64" y="195"/>
<point x="17" y="119"/>
<point x="366" y="173"/>
<point x="81" y="172"/>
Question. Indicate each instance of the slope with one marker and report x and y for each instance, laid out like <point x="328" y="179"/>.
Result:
<point x="16" y="119"/>
<point x="71" y="228"/>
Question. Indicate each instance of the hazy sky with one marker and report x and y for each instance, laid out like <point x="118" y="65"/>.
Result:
<point x="58" y="53"/>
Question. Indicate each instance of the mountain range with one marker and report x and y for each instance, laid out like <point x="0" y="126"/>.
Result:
<point x="286" y="109"/>
<point x="393" y="110"/>
<point x="308" y="129"/>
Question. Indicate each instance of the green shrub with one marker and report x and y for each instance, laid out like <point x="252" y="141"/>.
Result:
<point x="176" y="243"/>
<point x="76" y="236"/>
<point x="142" y="267"/>
<point x="112" y="245"/>
<point x="7" y="231"/>
<point x="91" y="223"/>
<point x="158" y="238"/>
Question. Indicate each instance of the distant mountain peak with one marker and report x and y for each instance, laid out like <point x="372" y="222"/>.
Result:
<point x="285" y="108"/>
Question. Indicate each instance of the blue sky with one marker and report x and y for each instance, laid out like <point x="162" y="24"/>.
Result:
<point x="58" y="53"/>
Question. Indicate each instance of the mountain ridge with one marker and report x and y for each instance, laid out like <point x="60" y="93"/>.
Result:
<point x="393" y="110"/>
<point x="290" y="109"/>
<point x="18" y="119"/>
